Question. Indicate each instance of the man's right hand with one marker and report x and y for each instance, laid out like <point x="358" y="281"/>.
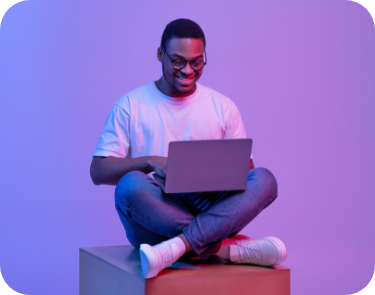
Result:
<point x="159" y="165"/>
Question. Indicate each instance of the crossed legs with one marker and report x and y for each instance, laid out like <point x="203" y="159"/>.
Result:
<point x="150" y="216"/>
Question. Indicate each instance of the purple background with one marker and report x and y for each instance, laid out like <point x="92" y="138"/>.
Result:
<point x="301" y="73"/>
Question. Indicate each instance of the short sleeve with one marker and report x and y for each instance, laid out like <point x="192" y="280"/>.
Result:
<point x="234" y="127"/>
<point x="115" y="140"/>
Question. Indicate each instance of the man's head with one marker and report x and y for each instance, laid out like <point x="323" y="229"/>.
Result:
<point x="182" y="54"/>
<point x="182" y="28"/>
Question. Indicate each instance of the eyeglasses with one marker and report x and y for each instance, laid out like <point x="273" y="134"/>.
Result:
<point x="179" y="64"/>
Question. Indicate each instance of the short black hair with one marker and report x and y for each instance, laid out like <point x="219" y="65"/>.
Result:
<point x="182" y="28"/>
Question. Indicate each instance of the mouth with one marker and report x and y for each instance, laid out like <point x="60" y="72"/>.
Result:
<point x="185" y="80"/>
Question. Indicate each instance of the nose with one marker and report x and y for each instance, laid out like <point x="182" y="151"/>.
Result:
<point x="187" y="70"/>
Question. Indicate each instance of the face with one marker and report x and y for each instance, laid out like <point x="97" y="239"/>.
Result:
<point x="180" y="82"/>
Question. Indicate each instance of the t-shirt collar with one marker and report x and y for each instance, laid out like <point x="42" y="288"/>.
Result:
<point x="176" y="100"/>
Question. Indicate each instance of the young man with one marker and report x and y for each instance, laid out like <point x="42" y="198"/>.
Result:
<point x="135" y="141"/>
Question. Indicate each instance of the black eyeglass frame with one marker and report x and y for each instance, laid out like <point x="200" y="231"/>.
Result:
<point x="172" y="60"/>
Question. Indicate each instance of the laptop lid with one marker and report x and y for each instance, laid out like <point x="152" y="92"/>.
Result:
<point x="208" y="165"/>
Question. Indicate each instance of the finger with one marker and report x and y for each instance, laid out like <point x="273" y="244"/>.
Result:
<point x="160" y="173"/>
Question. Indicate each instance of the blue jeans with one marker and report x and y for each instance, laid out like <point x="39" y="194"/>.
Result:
<point x="151" y="216"/>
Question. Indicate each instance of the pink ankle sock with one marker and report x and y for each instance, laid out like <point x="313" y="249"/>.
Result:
<point x="223" y="252"/>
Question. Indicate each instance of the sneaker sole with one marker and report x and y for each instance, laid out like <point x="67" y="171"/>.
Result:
<point x="280" y="246"/>
<point x="149" y="261"/>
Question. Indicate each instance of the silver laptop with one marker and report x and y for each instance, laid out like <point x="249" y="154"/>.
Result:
<point x="208" y="165"/>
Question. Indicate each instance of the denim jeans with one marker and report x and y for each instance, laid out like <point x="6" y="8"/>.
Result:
<point x="151" y="216"/>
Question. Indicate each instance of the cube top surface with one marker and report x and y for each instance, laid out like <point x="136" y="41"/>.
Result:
<point x="127" y="259"/>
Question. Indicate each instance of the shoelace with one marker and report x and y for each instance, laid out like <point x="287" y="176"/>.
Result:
<point x="248" y="252"/>
<point x="166" y="256"/>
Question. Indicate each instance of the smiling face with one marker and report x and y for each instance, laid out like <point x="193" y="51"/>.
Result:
<point x="179" y="83"/>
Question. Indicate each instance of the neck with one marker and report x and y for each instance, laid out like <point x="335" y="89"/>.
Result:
<point x="165" y="88"/>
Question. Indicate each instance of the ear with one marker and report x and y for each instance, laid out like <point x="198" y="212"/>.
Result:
<point x="159" y="54"/>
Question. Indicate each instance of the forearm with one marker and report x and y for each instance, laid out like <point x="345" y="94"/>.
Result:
<point x="111" y="169"/>
<point x="251" y="166"/>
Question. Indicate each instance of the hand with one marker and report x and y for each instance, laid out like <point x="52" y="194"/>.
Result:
<point x="159" y="165"/>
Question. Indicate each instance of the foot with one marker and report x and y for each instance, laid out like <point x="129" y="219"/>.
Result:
<point x="266" y="251"/>
<point x="155" y="258"/>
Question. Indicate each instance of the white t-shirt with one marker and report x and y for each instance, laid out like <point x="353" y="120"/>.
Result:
<point x="144" y="121"/>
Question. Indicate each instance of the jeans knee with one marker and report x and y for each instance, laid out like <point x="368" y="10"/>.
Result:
<point x="265" y="177"/>
<point x="128" y="187"/>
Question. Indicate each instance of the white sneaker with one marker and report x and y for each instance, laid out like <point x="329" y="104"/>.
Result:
<point x="266" y="251"/>
<point x="156" y="258"/>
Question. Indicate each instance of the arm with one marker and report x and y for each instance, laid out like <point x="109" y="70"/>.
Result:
<point x="109" y="170"/>
<point x="251" y="164"/>
<point x="235" y="128"/>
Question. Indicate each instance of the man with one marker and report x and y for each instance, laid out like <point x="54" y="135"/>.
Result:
<point x="135" y="141"/>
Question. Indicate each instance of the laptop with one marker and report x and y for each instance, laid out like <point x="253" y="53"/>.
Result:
<point x="207" y="165"/>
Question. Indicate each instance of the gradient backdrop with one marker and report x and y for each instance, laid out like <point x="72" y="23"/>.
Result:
<point x="301" y="73"/>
